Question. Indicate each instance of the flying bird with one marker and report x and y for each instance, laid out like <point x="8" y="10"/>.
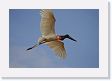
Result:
<point x="49" y="37"/>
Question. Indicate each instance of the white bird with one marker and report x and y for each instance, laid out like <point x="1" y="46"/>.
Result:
<point x="49" y="36"/>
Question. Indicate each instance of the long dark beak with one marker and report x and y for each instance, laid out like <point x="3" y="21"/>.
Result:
<point x="67" y="36"/>
<point x="32" y="47"/>
<point x="72" y="39"/>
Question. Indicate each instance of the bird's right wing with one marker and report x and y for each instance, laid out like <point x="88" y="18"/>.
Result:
<point x="58" y="48"/>
<point x="47" y="22"/>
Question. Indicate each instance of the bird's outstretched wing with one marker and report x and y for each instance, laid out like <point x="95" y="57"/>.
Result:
<point x="47" y="22"/>
<point x="58" y="48"/>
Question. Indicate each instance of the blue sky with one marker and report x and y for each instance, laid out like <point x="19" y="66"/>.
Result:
<point x="81" y="24"/>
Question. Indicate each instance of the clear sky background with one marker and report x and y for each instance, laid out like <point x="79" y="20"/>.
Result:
<point x="81" y="24"/>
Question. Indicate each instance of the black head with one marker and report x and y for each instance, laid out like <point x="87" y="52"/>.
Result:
<point x="67" y="36"/>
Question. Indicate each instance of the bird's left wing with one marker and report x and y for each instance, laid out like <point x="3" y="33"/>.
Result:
<point x="58" y="48"/>
<point x="47" y="22"/>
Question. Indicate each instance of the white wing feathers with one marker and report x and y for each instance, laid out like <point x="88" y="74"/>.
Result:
<point x="47" y="22"/>
<point x="58" y="48"/>
<point x="47" y="29"/>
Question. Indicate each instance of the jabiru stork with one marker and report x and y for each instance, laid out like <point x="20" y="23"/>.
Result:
<point x="49" y="36"/>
